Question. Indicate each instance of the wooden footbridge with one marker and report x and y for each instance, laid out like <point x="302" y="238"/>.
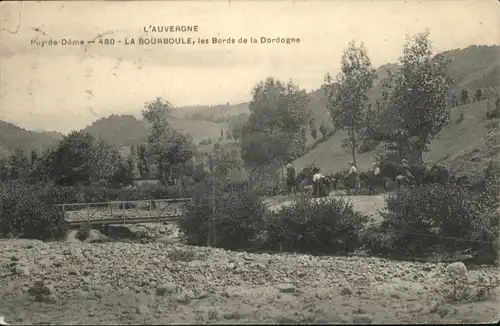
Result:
<point x="125" y="212"/>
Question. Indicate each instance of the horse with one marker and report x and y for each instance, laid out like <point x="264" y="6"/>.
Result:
<point x="372" y="181"/>
<point x="351" y="182"/>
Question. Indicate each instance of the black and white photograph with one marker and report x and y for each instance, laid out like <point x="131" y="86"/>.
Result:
<point x="249" y="162"/>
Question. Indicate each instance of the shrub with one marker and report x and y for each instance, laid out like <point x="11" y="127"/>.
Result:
<point x="239" y="215"/>
<point x="493" y="111"/>
<point x="28" y="212"/>
<point x="84" y="232"/>
<point x="323" y="226"/>
<point x="368" y="145"/>
<point x="424" y="219"/>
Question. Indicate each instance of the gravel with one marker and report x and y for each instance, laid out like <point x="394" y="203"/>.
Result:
<point x="161" y="282"/>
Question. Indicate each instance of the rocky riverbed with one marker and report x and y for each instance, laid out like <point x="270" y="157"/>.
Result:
<point x="164" y="282"/>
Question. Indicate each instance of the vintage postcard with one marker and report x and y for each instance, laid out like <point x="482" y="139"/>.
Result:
<point x="249" y="161"/>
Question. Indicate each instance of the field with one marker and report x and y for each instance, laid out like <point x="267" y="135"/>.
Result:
<point x="163" y="281"/>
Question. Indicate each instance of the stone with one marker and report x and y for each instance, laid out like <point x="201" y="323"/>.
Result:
<point x="167" y="288"/>
<point x="142" y="310"/>
<point x="346" y="291"/>
<point x="23" y="271"/>
<point x="286" y="288"/>
<point x="322" y="294"/>
<point x="184" y="297"/>
<point x="457" y="270"/>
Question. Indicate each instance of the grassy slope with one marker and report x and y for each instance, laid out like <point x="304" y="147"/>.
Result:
<point x="454" y="141"/>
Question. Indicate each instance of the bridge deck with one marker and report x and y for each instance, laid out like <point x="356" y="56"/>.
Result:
<point x="120" y="212"/>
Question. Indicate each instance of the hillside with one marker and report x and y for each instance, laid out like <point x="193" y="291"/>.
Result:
<point x="12" y="137"/>
<point x="473" y="67"/>
<point x="462" y="146"/>
<point x="120" y="130"/>
<point x="127" y="130"/>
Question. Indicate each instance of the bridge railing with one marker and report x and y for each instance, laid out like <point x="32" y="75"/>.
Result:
<point x="131" y="209"/>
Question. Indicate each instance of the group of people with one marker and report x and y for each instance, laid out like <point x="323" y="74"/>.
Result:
<point x="351" y="181"/>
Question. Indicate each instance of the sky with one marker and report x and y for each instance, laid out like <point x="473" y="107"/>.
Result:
<point x="68" y="87"/>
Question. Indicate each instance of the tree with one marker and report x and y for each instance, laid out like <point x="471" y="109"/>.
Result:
<point x="278" y="116"/>
<point x="346" y="99"/>
<point x="73" y="159"/>
<point x="4" y="170"/>
<point x="478" y="96"/>
<point x="105" y="161"/>
<point x="123" y="174"/>
<point x="19" y="165"/>
<point x="34" y="158"/>
<point x="323" y="129"/>
<point x="454" y="100"/>
<point x="416" y="107"/>
<point x="236" y="130"/>
<point x="44" y="168"/>
<point x="314" y="133"/>
<point x="133" y="151"/>
<point x="167" y="146"/>
<point x="143" y="162"/>
<point x="464" y="96"/>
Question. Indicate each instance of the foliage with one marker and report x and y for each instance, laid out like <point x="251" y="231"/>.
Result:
<point x="260" y="149"/>
<point x="104" y="161"/>
<point x="278" y="115"/>
<point x="414" y="100"/>
<point x="119" y="130"/>
<point x="323" y="129"/>
<point x="464" y="96"/>
<point x="84" y="232"/>
<point x="71" y="159"/>
<point x="265" y="180"/>
<point x="492" y="184"/>
<point x="314" y="133"/>
<point x="237" y="221"/>
<point x="436" y="217"/>
<point x="367" y="145"/>
<point x="167" y="146"/>
<point x="478" y="96"/>
<point x="345" y="99"/>
<point x="493" y="110"/>
<point x="324" y="226"/>
<point x="221" y="164"/>
<point x="143" y="162"/>
<point x="30" y="212"/>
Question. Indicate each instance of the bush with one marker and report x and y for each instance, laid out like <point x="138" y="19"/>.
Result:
<point x="368" y="145"/>
<point x="30" y="212"/>
<point x="239" y="216"/>
<point x="321" y="226"/>
<point x="448" y="218"/>
<point x="493" y="111"/>
<point x="84" y="232"/>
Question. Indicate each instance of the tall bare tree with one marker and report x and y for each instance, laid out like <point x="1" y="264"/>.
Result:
<point x="346" y="97"/>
